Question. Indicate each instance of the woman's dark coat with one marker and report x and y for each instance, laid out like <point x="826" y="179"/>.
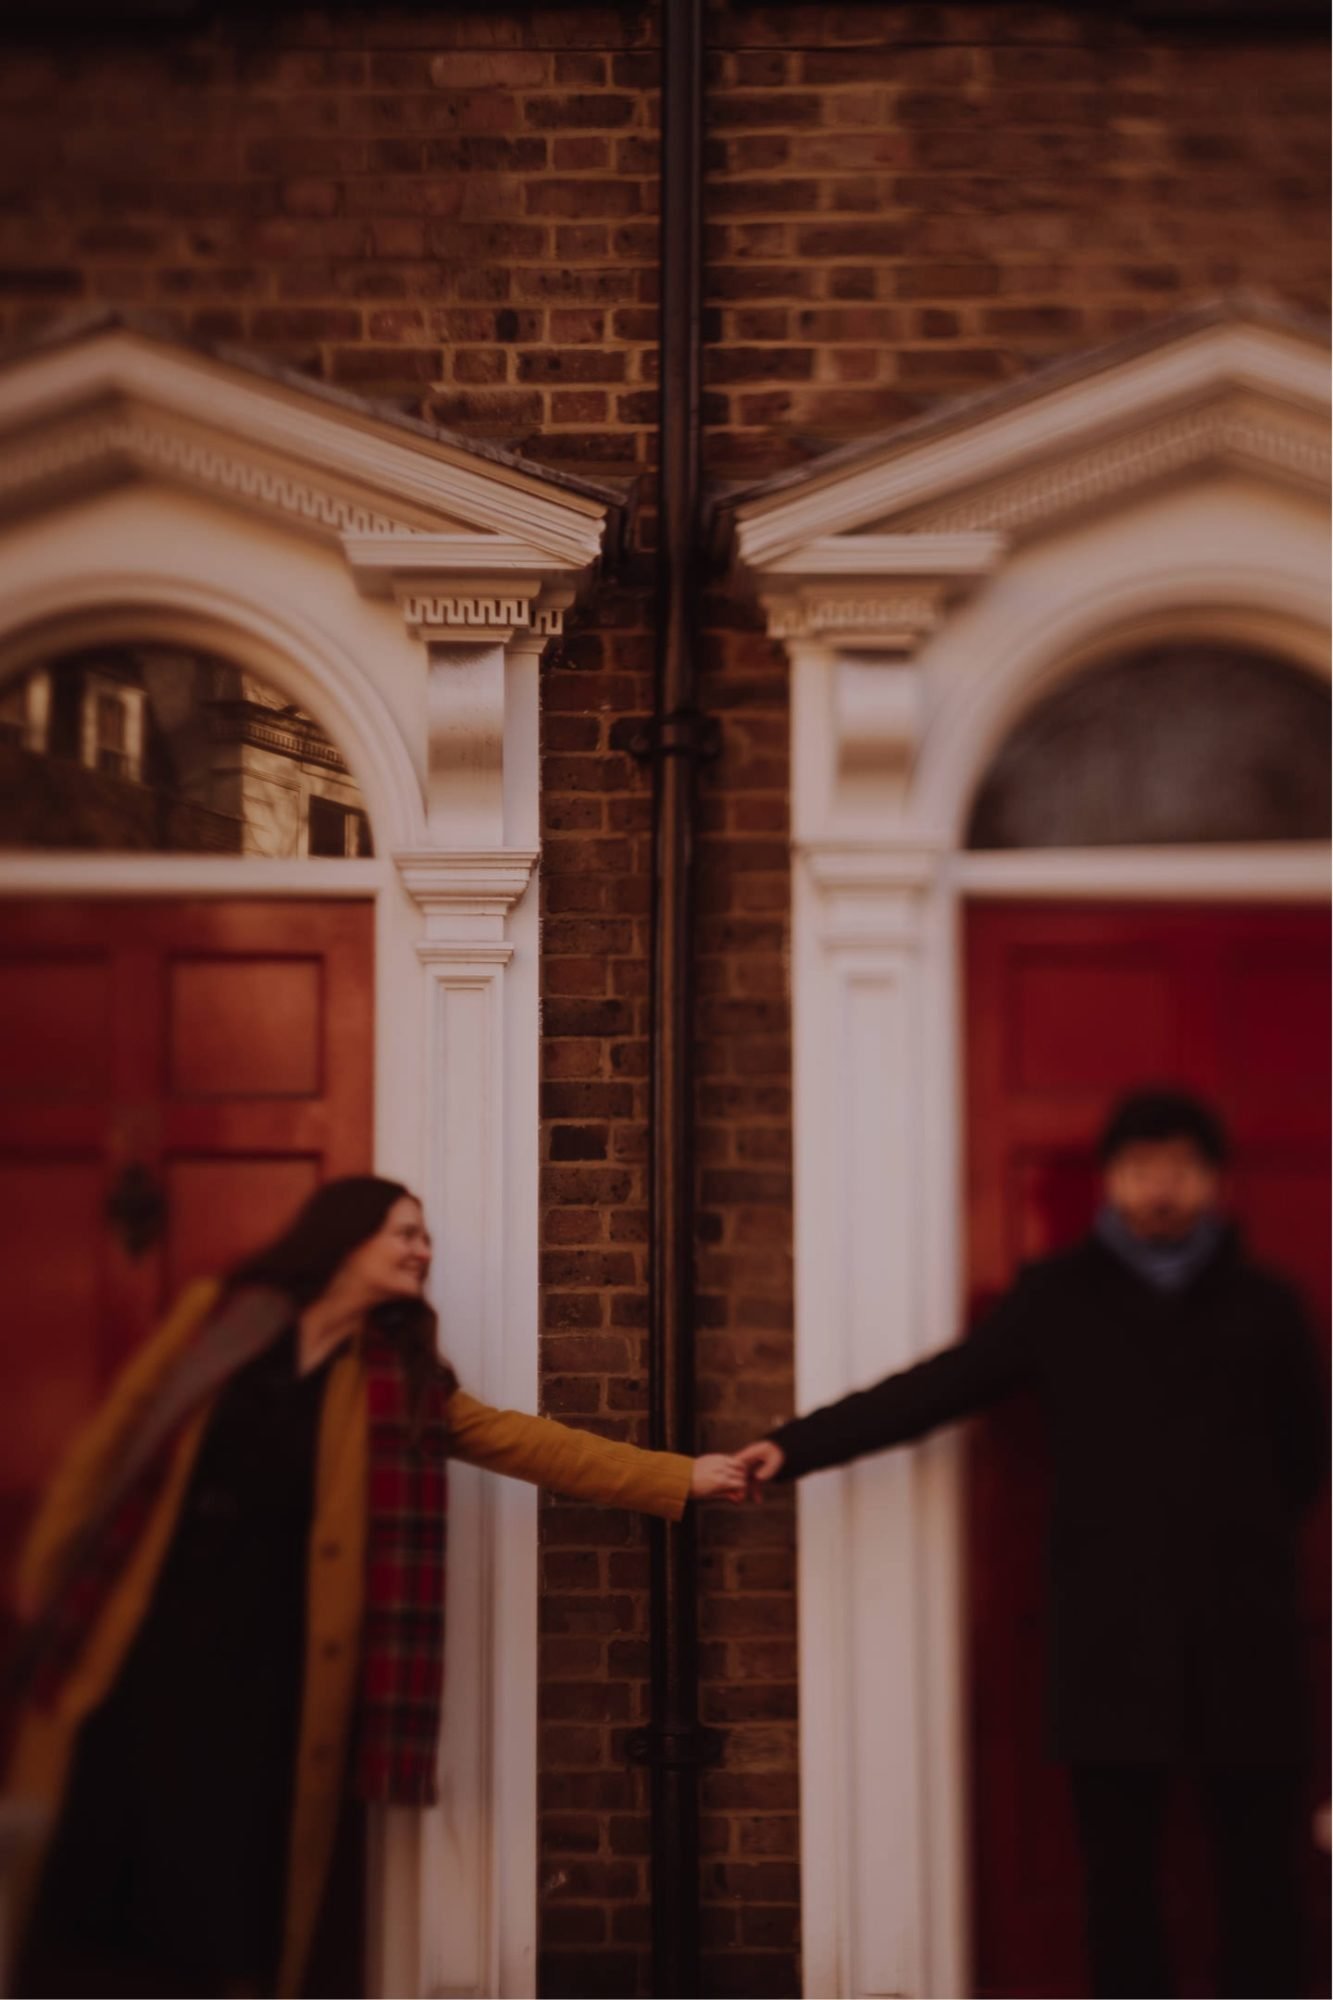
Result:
<point x="1187" y="1431"/>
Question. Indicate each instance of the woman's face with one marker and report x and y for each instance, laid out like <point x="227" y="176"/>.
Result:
<point x="394" y="1263"/>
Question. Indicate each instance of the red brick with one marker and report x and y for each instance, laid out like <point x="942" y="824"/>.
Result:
<point x="580" y="67"/>
<point x="566" y="1744"/>
<point x="598" y="1354"/>
<point x="475" y="69"/>
<point x="570" y="1833"/>
<point x="572" y="1923"/>
<point x="594" y="111"/>
<point x="572" y="365"/>
<point x="384" y="365"/>
<point x="747" y="109"/>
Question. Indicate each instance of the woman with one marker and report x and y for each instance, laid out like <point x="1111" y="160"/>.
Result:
<point x="233" y="1604"/>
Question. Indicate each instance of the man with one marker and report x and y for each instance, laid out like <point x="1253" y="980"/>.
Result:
<point x="1187" y="1423"/>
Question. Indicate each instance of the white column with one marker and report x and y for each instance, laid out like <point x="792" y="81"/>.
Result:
<point x="459" y="1881"/>
<point x="879" y="1781"/>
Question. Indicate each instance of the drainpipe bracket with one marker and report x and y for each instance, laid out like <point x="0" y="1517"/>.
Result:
<point x="686" y="732"/>
<point x="675" y="1749"/>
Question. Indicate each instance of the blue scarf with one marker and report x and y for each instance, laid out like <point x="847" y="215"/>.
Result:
<point x="1167" y="1267"/>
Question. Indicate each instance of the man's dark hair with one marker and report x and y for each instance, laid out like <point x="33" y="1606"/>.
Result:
<point x="1150" y="1115"/>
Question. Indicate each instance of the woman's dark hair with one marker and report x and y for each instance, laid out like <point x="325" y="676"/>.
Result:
<point x="1147" y="1116"/>
<point x="334" y="1222"/>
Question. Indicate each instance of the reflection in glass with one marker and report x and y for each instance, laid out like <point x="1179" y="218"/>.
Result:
<point x="162" y="749"/>
<point x="1178" y="744"/>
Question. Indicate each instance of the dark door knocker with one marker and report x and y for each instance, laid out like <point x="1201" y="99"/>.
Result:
<point x="136" y="1208"/>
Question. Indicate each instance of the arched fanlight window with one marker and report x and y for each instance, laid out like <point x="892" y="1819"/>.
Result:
<point x="162" y="749"/>
<point x="1179" y="744"/>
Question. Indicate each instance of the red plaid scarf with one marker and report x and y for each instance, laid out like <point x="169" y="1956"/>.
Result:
<point x="402" y="1677"/>
<point x="402" y="1682"/>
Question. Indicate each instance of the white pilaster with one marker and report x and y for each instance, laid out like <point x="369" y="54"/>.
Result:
<point x="860" y="995"/>
<point x="459" y="1916"/>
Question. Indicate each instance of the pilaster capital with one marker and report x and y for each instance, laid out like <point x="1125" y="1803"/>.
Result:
<point x="871" y="895"/>
<point x="465" y="896"/>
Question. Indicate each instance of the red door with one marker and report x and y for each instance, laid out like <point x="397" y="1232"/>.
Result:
<point x="210" y="1060"/>
<point x="1066" y="1008"/>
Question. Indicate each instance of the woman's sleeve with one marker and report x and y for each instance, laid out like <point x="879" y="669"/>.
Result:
<point x="572" y="1462"/>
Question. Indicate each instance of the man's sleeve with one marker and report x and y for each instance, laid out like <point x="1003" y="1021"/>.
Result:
<point x="1301" y="1399"/>
<point x="995" y="1362"/>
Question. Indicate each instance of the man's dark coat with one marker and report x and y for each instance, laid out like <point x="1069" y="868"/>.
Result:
<point x="1186" y="1433"/>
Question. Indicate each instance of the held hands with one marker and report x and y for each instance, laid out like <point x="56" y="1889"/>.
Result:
<point x="717" y="1476"/>
<point x="740" y="1476"/>
<point x="761" y="1462"/>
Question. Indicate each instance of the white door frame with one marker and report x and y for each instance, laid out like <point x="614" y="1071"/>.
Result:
<point x="400" y="587"/>
<point x="881" y="1270"/>
<point x="929" y="587"/>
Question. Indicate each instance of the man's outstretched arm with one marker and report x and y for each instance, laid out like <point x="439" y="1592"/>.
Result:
<point x="958" y="1381"/>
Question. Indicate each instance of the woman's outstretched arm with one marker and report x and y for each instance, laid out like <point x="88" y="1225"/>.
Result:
<point x="585" y="1467"/>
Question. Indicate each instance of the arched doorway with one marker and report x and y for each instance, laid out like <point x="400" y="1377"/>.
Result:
<point x="398" y="588"/>
<point x="931" y="586"/>
<point x="1067" y="1003"/>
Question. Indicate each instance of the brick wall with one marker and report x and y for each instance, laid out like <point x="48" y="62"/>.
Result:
<point x="456" y="210"/>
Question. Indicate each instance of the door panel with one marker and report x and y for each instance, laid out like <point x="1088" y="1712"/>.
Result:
<point x="1066" y="1008"/>
<point x="244" y="1027"/>
<point x="71" y="1058"/>
<point x="218" y="1053"/>
<point x="222" y="1207"/>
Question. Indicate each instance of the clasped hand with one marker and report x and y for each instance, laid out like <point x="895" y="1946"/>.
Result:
<point x="736" y="1476"/>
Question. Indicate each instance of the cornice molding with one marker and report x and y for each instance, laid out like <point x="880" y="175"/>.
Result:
<point x="481" y="882"/>
<point x="964" y="556"/>
<point x="860" y="564"/>
<point x="469" y="962"/>
<point x="872" y="899"/>
<point x="1256" y="393"/>
<point x="888" y="588"/>
<point x="136" y="440"/>
<point x="1239" y="434"/>
<point x="893" y="619"/>
<point x="380" y="559"/>
<point x="443" y="581"/>
<point x="406" y="472"/>
<point x="467" y="545"/>
<point x="868" y="868"/>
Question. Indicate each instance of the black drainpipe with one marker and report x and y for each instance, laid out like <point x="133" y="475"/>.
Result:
<point x="674" y="1745"/>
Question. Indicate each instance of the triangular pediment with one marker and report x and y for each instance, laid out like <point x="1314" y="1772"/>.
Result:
<point x="104" y="401"/>
<point x="932" y="504"/>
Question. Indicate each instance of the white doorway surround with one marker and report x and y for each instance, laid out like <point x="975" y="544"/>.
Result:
<point x="399" y="585"/>
<point x="929" y="587"/>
